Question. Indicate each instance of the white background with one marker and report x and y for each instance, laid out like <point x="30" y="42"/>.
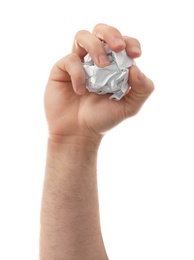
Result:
<point x="146" y="165"/>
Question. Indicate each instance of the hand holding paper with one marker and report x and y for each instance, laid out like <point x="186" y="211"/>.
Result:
<point x="77" y="121"/>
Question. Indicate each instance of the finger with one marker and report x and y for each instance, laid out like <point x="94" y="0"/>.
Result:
<point x="85" y="42"/>
<point x="141" y="89"/>
<point x="69" y="69"/>
<point x="133" y="47"/>
<point x="110" y="35"/>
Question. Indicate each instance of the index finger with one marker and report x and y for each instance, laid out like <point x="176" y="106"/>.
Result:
<point x="110" y="35"/>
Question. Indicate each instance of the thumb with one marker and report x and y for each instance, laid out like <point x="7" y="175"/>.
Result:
<point x="141" y="89"/>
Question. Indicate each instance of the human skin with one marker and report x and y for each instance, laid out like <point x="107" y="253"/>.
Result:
<point x="77" y="121"/>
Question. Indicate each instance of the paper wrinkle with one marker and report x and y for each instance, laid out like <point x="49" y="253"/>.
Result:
<point x="112" y="79"/>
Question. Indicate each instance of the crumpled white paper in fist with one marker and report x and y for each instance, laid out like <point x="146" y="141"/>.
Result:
<point x="110" y="79"/>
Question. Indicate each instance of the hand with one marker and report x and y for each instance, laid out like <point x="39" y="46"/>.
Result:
<point x="70" y="109"/>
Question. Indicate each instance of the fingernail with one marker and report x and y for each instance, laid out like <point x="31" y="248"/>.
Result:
<point x="103" y="59"/>
<point x="136" y="49"/>
<point x="119" y="41"/>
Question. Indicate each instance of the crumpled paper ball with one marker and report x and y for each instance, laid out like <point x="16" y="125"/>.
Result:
<point x="112" y="79"/>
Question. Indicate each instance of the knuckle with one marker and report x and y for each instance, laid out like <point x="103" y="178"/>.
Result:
<point x="81" y="33"/>
<point x="134" y="110"/>
<point x="105" y="28"/>
<point x="71" y="58"/>
<point x="99" y="25"/>
<point x="151" y="86"/>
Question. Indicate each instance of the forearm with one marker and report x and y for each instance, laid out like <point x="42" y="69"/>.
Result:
<point x="70" y="223"/>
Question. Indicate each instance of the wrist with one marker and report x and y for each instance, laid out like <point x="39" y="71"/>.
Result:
<point x="74" y="149"/>
<point x="80" y="141"/>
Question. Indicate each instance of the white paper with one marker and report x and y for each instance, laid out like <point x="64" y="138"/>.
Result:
<point x="112" y="79"/>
